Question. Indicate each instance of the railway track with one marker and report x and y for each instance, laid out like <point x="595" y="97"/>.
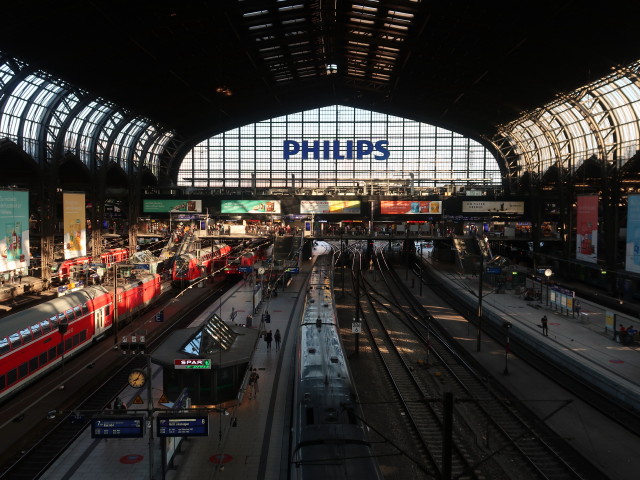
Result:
<point x="60" y="433"/>
<point x="519" y="445"/>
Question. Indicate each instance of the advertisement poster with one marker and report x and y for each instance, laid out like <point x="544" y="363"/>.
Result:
<point x="171" y="205"/>
<point x="329" y="206"/>
<point x="490" y="206"/>
<point x="250" y="206"/>
<point x="632" y="255"/>
<point x="408" y="207"/>
<point x="14" y="218"/>
<point x="587" y="229"/>
<point x="75" y="232"/>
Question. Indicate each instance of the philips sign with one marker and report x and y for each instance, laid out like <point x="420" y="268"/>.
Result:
<point x="334" y="149"/>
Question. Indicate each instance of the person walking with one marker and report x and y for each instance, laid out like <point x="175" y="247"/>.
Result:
<point x="253" y="384"/>
<point x="277" y="338"/>
<point x="20" y="276"/>
<point x="269" y="338"/>
<point x="545" y="326"/>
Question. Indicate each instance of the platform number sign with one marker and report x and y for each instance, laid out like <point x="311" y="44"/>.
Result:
<point x="356" y="327"/>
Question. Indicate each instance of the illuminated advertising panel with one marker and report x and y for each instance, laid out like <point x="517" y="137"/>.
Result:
<point x="75" y="233"/>
<point x="171" y="205"/>
<point x="587" y="229"/>
<point x="14" y="219"/>
<point x="408" y="207"/>
<point x="329" y="206"/>
<point x="250" y="206"/>
<point x="632" y="255"/>
<point x="491" y="207"/>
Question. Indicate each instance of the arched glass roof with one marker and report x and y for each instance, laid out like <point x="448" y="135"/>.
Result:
<point x="46" y="116"/>
<point x="598" y="120"/>
<point x="345" y="147"/>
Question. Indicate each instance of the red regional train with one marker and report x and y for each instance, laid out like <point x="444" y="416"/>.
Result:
<point x="189" y="267"/>
<point x="241" y="264"/>
<point x="63" y="271"/>
<point x="31" y="343"/>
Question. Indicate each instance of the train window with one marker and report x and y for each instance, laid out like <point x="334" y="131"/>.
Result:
<point x="23" y="370"/>
<point x="85" y="308"/>
<point x="54" y="322"/>
<point x="107" y="310"/>
<point x="4" y="346"/>
<point x="14" y="339"/>
<point x="43" y="358"/>
<point x="68" y="344"/>
<point x="59" y="349"/>
<point x="76" y="339"/>
<point x="53" y="353"/>
<point x="2" y="382"/>
<point x="46" y="326"/>
<point x="12" y="376"/>
<point x="33" y="364"/>
<point x="62" y="318"/>
<point x="310" y="417"/>
<point x="83" y="335"/>
<point x="36" y="330"/>
<point x="77" y="311"/>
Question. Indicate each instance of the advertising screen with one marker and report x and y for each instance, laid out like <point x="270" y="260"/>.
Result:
<point x="14" y="218"/>
<point x="632" y="254"/>
<point x="171" y="205"/>
<point x="74" y="218"/>
<point x="409" y="207"/>
<point x="330" y="206"/>
<point x="492" y="206"/>
<point x="587" y="229"/>
<point x="250" y="206"/>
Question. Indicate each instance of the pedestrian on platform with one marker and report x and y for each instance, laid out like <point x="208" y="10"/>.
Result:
<point x="253" y="384"/>
<point x="545" y="326"/>
<point x="12" y="276"/>
<point x="268" y="338"/>
<point x="20" y="276"/>
<point x="277" y="338"/>
<point x="577" y="307"/>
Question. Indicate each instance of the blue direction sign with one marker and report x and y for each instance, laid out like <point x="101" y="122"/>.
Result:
<point x="245" y="269"/>
<point x="292" y="270"/>
<point x="494" y="270"/>
<point x="117" y="427"/>
<point x="183" y="426"/>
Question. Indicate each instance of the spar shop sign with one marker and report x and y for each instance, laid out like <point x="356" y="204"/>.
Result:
<point x="336" y="149"/>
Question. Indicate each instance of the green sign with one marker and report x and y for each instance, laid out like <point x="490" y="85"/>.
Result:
<point x="171" y="205"/>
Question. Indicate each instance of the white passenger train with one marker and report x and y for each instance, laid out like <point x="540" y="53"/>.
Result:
<point x="329" y="439"/>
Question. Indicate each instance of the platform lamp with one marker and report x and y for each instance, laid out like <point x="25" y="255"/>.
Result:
<point x="547" y="273"/>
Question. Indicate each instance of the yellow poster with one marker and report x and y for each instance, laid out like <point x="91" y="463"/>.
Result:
<point x="75" y="240"/>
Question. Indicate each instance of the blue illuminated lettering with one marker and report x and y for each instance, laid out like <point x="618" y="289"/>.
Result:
<point x="336" y="150"/>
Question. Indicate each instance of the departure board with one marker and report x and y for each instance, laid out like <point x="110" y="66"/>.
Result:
<point x="117" y="427"/>
<point x="183" y="426"/>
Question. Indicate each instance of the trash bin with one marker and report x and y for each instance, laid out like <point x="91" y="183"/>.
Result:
<point x="584" y="317"/>
<point x="249" y="320"/>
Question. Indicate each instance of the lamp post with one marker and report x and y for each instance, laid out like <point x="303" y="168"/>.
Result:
<point x="63" y="325"/>
<point x="479" y="313"/>
<point x="547" y="273"/>
<point x="507" y="348"/>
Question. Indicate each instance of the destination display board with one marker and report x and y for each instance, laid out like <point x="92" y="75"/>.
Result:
<point x="492" y="206"/>
<point x="117" y="427"/>
<point x="182" y="426"/>
<point x="192" y="363"/>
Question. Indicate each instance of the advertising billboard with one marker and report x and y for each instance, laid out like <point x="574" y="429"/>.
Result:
<point x="250" y="206"/>
<point x="492" y="206"/>
<point x="14" y="218"/>
<point x="171" y="205"/>
<point x="409" y="207"/>
<point x="632" y="254"/>
<point x="587" y="229"/>
<point x="74" y="221"/>
<point x="330" y="206"/>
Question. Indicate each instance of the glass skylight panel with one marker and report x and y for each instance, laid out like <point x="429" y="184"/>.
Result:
<point x="396" y="26"/>
<point x="260" y="27"/>
<point x="401" y="15"/>
<point x="290" y="7"/>
<point x="255" y="14"/>
<point x="293" y="21"/>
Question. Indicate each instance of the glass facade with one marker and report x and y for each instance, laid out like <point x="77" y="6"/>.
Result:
<point x="344" y="147"/>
